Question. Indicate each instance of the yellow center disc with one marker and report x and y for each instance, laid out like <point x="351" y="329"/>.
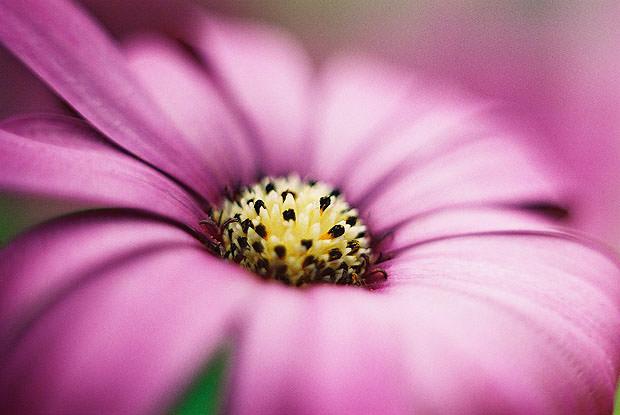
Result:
<point x="295" y="231"/>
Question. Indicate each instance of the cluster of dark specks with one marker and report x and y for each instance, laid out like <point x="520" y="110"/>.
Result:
<point x="296" y="232"/>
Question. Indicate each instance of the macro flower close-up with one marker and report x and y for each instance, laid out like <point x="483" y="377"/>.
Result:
<point x="346" y="237"/>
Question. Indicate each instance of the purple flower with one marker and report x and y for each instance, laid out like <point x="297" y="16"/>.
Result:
<point x="488" y="306"/>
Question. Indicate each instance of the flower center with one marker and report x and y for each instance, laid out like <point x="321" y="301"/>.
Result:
<point x="295" y="231"/>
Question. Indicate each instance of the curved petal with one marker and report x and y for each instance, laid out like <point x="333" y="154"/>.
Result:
<point x="265" y="75"/>
<point x="61" y="157"/>
<point x="59" y="130"/>
<point x="129" y="338"/>
<point x="435" y="129"/>
<point x="184" y="91"/>
<point x="390" y="141"/>
<point x="357" y="98"/>
<point x="484" y="324"/>
<point x="126" y="17"/>
<point x="558" y="65"/>
<point x="508" y="323"/>
<point x="495" y="169"/>
<point x="461" y="220"/>
<point x="68" y="51"/>
<point x="332" y="350"/>
<point x="21" y="90"/>
<point x="54" y="256"/>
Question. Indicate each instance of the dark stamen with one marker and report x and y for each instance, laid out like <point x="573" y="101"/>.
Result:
<point x="262" y="263"/>
<point x="334" y="254"/>
<point x="281" y="274"/>
<point x="261" y="231"/>
<point x="324" y="202"/>
<point x="280" y="251"/>
<point x="287" y="192"/>
<point x="259" y="204"/>
<point x="258" y="247"/>
<point x="229" y="221"/>
<point x="328" y="272"/>
<point x="307" y="243"/>
<point x="270" y="187"/>
<point x="335" y="193"/>
<point x="281" y="270"/>
<point x="308" y="261"/>
<point x="345" y="280"/>
<point x="246" y="225"/>
<point x="354" y="246"/>
<point x="351" y="220"/>
<point x="243" y="242"/>
<point x="289" y="214"/>
<point x="336" y="231"/>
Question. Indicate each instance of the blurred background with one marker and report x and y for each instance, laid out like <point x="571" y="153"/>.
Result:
<point x="555" y="62"/>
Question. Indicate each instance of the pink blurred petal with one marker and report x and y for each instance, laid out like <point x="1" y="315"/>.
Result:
<point x="61" y="157"/>
<point x="355" y="101"/>
<point x="264" y="74"/>
<point x="21" y="90"/>
<point x="331" y="350"/>
<point x="399" y="148"/>
<point x="130" y="340"/>
<point x="70" y="53"/>
<point x="490" y="170"/>
<point x="420" y="132"/>
<point x="127" y="17"/>
<point x="183" y="90"/>
<point x="556" y="62"/>
<point x="584" y="115"/>
<point x="514" y="323"/>
<point x="494" y="324"/>
<point x="463" y="219"/>
<point x="39" y="265"/>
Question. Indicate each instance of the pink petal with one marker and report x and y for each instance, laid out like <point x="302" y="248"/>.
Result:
<point x="129" y="339"/>
<point x="265" y="75"/>
<point x="463" y="219"/>
<point x="183" y="90"/>
<point x="53" y="257"/>
<point x="420" y="131"/>
<point x="123" y="17"/>
<point x="330" y="350"/>
<point x="389" y="140"/>
<point x="558" y="65"/>
<point x="481" y="324"/>
<point x="70" y="53"/>
<point x="357" y="98"/>
<point x="61" y="157"/>
<point x="584" y="118"/>
<point x="21" y="90"/>
<point x="512" y="323"/>
<point x="490" y="170"/>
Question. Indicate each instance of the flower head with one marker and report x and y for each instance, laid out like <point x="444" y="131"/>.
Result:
<point x="488" y="305"/>
<point x="296" y="232"/>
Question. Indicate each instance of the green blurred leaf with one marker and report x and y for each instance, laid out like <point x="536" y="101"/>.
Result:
<point x="204" y="396"/>
<point x="18" y="213"/>
<point x="617" y="406"/>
